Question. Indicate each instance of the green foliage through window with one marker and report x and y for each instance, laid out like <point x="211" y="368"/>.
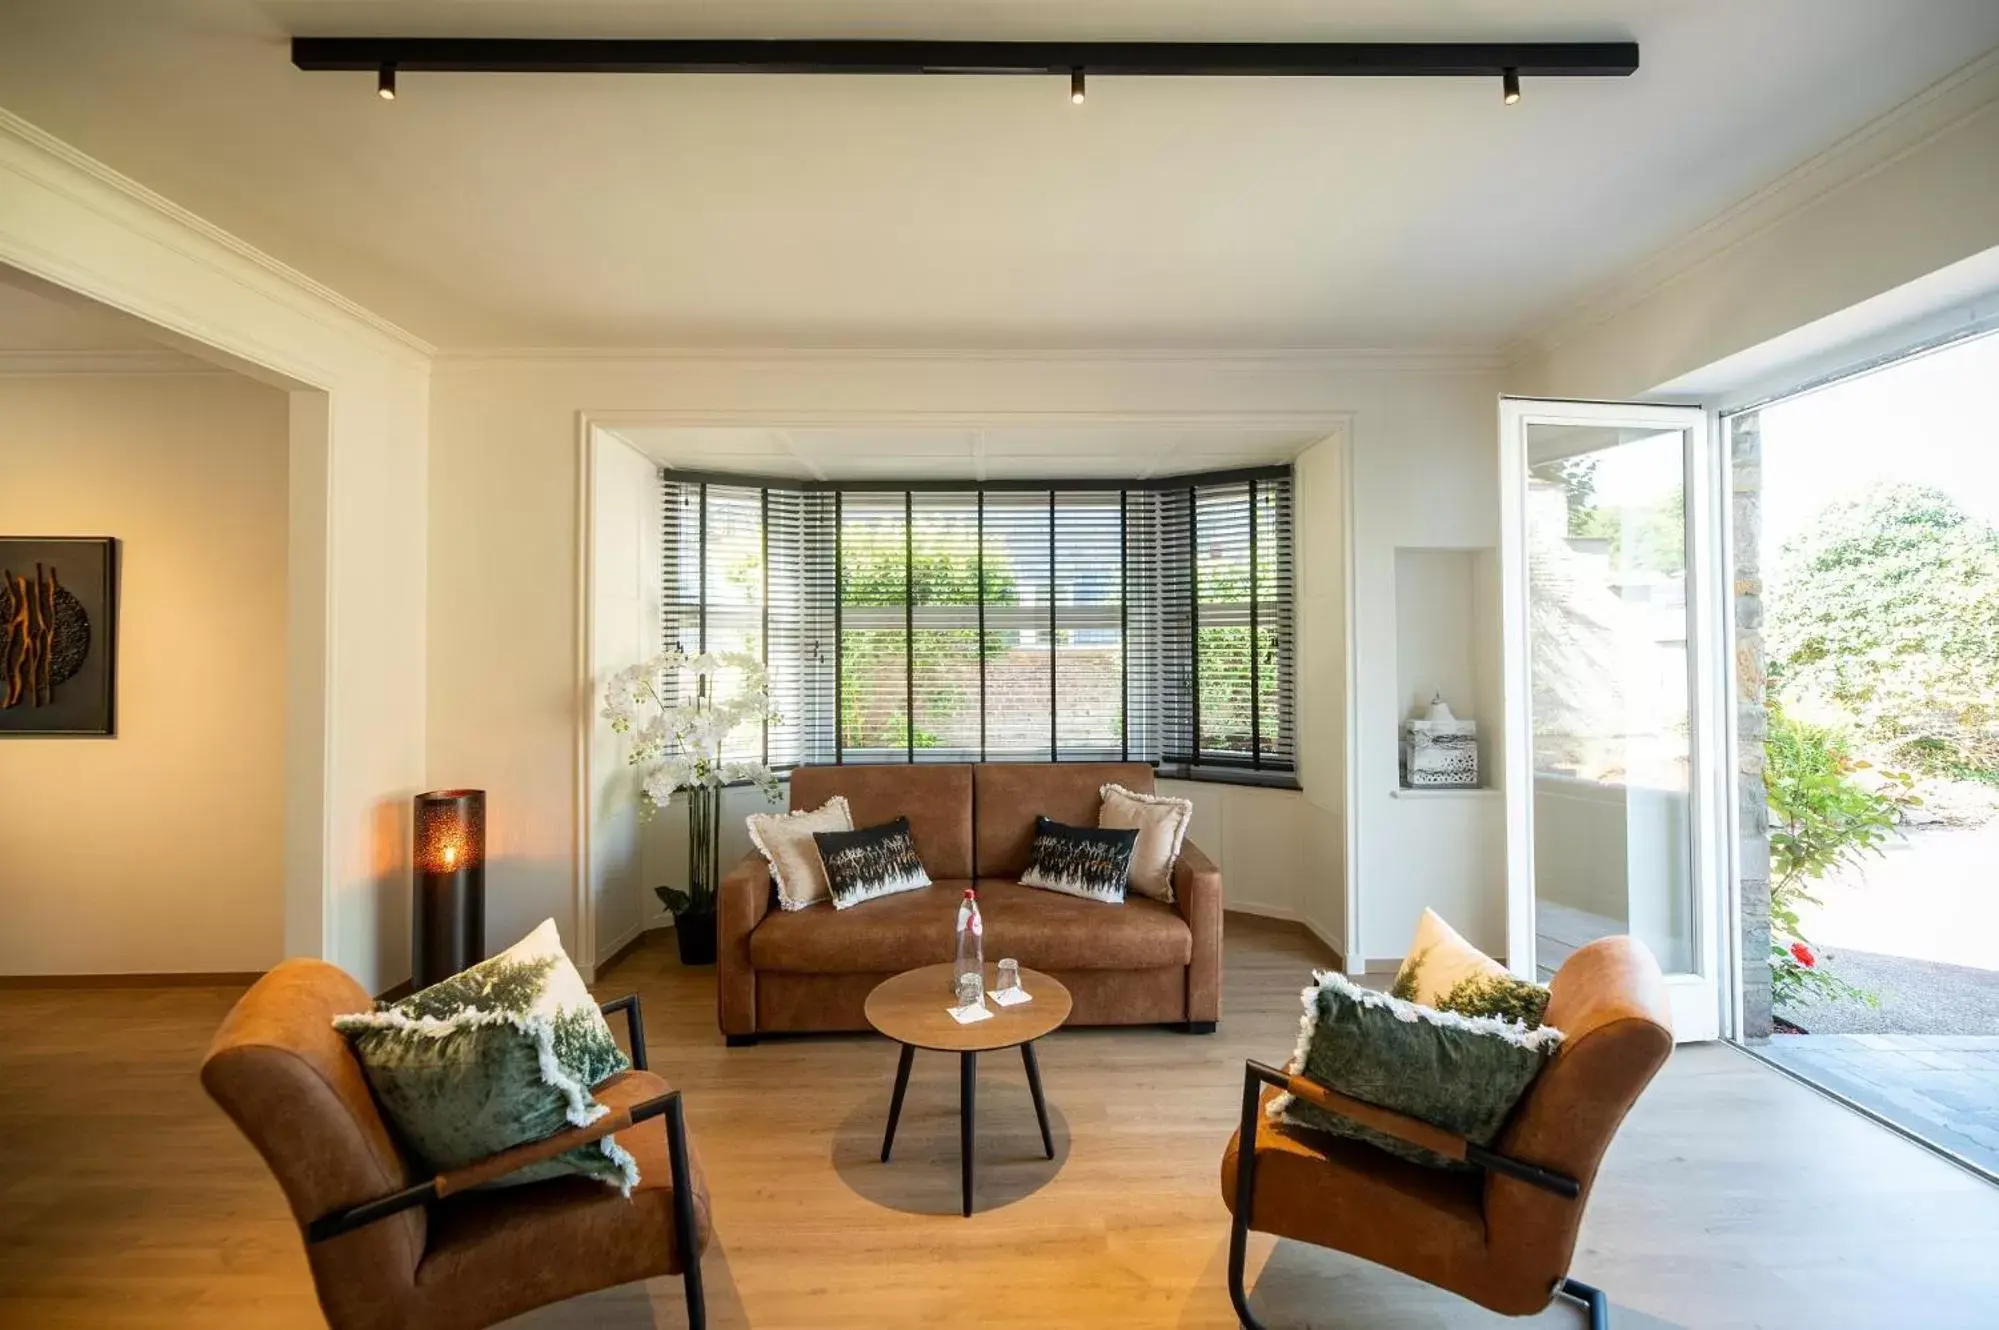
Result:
<point x="1887" y="610"/>
<point x="1822" y="819"/>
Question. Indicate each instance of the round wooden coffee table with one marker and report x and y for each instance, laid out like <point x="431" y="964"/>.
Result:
<point x="914" y="1010"/>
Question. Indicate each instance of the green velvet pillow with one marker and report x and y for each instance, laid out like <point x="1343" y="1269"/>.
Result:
<point x="500" y="1055"/>
<point x="1461" y="1073"/>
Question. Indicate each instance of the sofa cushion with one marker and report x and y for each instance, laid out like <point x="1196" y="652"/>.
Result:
<point x="785" y="841"/>
<point x="869" y="863"/>
<point x="937" y="800"/>
<point x="1161" y="823"/>
<point x="1051" y="932"/>
<point x="1461" y="1073"/>
<point x="1040" y="929"/>
<point x="1089" y="862"/>
<point x="1009" y="796"/>
<point x="1444" y="971"/>
<point x="500" y="1055"/>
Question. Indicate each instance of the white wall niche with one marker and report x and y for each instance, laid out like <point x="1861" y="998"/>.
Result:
<point x="1447" y="643"/>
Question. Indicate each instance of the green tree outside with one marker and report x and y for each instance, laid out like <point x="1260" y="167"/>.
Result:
<point x="1653" y="537"/>
<point x="1887" y="610"/>
<point x="873" y="574"/>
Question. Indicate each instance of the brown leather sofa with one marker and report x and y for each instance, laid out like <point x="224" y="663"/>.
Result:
<point x="1139" y="963"/>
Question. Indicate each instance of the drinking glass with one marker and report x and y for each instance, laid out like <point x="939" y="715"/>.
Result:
<point x="1008" y="978"/>
<point x="971" y="989"/>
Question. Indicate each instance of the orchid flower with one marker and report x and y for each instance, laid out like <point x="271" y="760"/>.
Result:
<point x="678" y="710"/>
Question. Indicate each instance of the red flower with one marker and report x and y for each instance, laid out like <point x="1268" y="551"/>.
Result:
<point x="1804" y="955"/>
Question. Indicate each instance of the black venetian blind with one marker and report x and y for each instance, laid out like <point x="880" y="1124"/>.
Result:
<point x="997" y="623"/>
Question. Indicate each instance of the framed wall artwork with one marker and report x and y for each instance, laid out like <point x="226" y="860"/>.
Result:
<point x="58" y="635"/>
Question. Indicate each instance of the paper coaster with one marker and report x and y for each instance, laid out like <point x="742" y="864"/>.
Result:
<point x="1012" y="997"/>
<point x="970" y="1015"/>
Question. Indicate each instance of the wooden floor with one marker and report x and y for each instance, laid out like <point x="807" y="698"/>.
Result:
<point x="1734" y="1197"/>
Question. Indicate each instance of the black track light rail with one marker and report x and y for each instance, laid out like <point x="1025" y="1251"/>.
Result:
<point x="567" y="55"/>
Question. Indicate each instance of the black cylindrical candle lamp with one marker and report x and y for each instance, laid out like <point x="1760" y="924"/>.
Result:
<point x="448" y="931"/>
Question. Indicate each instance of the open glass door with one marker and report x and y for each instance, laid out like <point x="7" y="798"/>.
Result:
<point x="1613" y="634"/>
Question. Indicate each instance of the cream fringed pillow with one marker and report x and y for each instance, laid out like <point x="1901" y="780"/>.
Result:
<point x="1444" y="971"/>
<point x="1438" y="961"/>
<point x="1161" y="824"/>
<point x="785" y="839"/>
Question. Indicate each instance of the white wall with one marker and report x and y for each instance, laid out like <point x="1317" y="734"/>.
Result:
<point x="504" y="702"/>
<point x="1913" y="192"/>
<point x="1257" y="838"/>
<point x="1318" y="895"/>
<point x="624" y="630"/>
<point x="664" y="849"/>
<point x="355" y="632"/>
<point x="160" y="850"/>
<point x="1425" y="473"/>
<point x="1447" y="638"/>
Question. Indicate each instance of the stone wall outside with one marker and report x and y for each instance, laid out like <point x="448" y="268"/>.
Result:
<point x="1746" y="459"/>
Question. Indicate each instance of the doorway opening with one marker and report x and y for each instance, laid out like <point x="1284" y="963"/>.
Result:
<point x="1866" y="588"/>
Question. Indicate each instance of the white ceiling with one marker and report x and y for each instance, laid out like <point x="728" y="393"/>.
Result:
<point x="484" y="210"/>
<point x="1065" y="452"/>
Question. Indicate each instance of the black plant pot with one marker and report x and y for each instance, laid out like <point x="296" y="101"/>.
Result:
<point x="694" y="925"/>
<point x="695" y="933"/>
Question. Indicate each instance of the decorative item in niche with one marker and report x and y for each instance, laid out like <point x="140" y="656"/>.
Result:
<point x="58" y="628"/>
<point x="1439" y="751"/>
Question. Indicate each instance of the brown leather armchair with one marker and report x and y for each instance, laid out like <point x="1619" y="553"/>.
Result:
<point x="391" y="1249"/>
<point x="1501" y="1235"/>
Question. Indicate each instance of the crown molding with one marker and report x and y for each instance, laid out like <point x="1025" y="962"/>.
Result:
<point x="1958" y="98"/>
<point x="44" y="364"/>
<point x="1379" y="360"/>
<point x="302" y="292"/>
<point x="1328" y="421"/>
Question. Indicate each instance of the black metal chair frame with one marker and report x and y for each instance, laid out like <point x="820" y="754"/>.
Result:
<point x="1256" y="1075"/>
<point x="337" y="1222"/>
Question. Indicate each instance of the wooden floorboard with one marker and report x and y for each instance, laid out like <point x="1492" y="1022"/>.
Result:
<point x="1734" y="1196"/>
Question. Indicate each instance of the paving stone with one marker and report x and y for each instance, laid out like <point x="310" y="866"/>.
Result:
<point x="1942" y="1088"/>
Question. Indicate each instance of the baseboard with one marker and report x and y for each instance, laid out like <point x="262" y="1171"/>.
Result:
<point x="1285" y="915"/>
<point x="397" y="992"/>
<point x="1261" y="911"/>
<point x="631" y="942"/>
<point x="610" y="953"/>
<point x="180" y="979"/>
<point x="1393" y="964"/>
<point x="1326" y="941"/>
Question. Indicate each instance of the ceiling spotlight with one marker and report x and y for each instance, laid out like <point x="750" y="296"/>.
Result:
<point x="385" y="83"/>
<point x="1510" y="86"/>
<point x="1076" y="85"/>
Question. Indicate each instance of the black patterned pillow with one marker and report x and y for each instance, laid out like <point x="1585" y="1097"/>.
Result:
<point x="872" y="862"/>
<point x="1091" y="862"/>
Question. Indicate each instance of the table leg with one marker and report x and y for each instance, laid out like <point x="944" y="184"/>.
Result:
<point x="895" y="1102"/>
<point x="968" y="1077"/>
<point x="1034" y="1088"/>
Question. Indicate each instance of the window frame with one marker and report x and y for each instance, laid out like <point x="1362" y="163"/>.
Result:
<point x="1170" y="645"/>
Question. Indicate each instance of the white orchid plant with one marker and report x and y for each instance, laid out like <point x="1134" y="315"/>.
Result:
<point x="678" y="709"/>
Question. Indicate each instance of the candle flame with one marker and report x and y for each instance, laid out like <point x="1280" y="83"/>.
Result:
<point x="451" y="856"/>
